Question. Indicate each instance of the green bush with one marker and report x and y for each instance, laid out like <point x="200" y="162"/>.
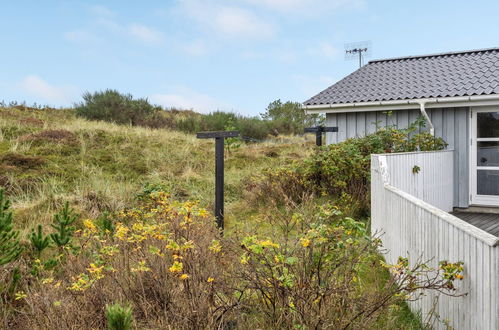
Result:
<point x="251" y="127"/>
<point x="289" y="117"/>
<point x="119" y="317"/>
<point x="341" y="170"/>
<point x="113" y="106"/>
<point x="10" y="249"/>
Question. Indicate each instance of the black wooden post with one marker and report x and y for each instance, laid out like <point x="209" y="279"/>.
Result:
<point x="318" y="130"/>
<point x="219" y="170"/>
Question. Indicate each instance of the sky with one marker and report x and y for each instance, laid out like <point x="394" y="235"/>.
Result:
<point x="209" y="55"/>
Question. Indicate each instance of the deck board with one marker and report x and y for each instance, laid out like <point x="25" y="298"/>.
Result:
<point x="488" y="222"/>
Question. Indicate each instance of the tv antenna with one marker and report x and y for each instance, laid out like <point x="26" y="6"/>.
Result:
<point x="358" y="50"/>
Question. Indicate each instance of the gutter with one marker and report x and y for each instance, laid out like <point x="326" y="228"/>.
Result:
<point x="400" y="104"/>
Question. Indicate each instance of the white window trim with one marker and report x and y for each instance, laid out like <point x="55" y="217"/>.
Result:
<point x="475" y="199"/>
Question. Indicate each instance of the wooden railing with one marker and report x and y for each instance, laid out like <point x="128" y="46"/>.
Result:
<point x="407" y="206"/>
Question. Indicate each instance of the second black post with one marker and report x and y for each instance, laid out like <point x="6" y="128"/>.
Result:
<point x="318" y="130"/>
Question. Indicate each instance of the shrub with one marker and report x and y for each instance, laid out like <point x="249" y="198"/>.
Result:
<point x="167" y="259"/>
<point x="63" y="222"/>
<point x="112" y="106"/>
<point x="10" y="249"/>
<point x="39" y="242"/>
<point x="314" y="272"/>
<point x="289" y="117"/>
<point x="119" y="317"/>
<point x="341" y="170"/>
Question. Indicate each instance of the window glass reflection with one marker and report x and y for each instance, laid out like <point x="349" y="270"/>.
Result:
<point x="488" y="182"/>
<point x="488" y="124"/>
<point x="487" y="153"/>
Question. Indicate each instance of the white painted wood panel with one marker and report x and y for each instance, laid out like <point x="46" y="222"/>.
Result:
<point x="413" y="225"/>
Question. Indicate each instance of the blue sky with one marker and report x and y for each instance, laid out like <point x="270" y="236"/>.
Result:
<point x="234" y="55"/>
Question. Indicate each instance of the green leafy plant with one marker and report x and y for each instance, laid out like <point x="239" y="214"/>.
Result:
<point x="234" y="143"/>
<point x="63" y="221"/>
<point x="111" y="105"/>
<point x="119" y="317"/>
<point x="416" y="169"/>
<point x="10" y="249"/>
<point x="105" y="223"/>
<point x="342" y="168"/>
<point x="289" y="117"/>
<point x="38" y="241"/>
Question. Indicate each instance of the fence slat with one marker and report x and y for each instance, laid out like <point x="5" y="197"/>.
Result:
<point x="408" y="208"/>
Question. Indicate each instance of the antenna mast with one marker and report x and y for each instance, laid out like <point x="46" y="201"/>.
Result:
<point x="358" y="49"/>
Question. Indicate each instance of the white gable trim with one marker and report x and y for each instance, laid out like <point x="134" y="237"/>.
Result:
<point x="444" y="102"/>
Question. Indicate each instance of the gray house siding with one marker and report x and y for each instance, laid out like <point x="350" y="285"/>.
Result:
<point x="451" y="124"/>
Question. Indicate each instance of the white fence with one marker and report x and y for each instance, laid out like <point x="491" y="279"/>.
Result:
<point x="407" y="209"/>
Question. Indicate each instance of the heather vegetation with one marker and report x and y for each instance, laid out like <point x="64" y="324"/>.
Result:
<point x="109" y="225"/>
<point x="112" y="106"/>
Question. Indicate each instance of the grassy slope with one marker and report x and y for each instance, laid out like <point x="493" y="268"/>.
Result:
<point x="100" y="166"/>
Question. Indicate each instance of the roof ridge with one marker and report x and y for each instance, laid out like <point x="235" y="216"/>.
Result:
<point x="436" y="55"/>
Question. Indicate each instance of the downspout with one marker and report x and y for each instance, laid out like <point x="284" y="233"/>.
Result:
<point x="426" y="117"/>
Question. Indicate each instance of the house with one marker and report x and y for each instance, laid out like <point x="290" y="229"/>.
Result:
<point x="457" y="93"/>
<point x="449" y="208"/>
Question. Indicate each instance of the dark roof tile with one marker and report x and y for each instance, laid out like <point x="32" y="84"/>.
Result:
<point x="440" y="75"/>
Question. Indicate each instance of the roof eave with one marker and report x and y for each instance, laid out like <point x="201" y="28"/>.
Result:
<point x="457" y="101"/>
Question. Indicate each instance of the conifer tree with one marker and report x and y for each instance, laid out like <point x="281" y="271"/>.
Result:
<point x="39" y="241"/>
<point x="10" y="248"/>
<point x="63" y="221"/>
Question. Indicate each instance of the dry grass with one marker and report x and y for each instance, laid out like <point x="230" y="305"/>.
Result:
<point x="100" y="166"/>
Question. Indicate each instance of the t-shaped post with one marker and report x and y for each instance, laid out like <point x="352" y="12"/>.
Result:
<point x="318" y="130"/>
<point x="219" y="170"/>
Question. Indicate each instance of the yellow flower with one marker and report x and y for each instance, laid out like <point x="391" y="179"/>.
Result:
<point x="172" y="245"/>
<point x="305" y="242"/>
<point x="269" y="243"/>
<point x="215" y="246"/>
<point x="176" y="267"/>
<point x="188" y="245"/>
<point x="244" y="259"/>
<point x="210" y="279"/>
<point x="95" y="271"/>
<point x="47" y="280"/>
<point x="89" y="225"/>
<point x="141" y="267"/>
<point x="203" y="213"/>
<point x="184" y="276"/>
<point x="121" y="231"/>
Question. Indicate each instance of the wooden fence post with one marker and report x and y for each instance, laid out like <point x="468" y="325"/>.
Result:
<point x="318" y="130"/>
<point x="219" y="170"/>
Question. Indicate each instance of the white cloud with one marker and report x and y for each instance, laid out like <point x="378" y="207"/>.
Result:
<point x="102" y="11"/>
<point x="104" y="24"/>
<point x="324" y="49"/>
<point x="81" y="36"/>
<point x="184" y="98"/>
<point x="308" y="6"/>
<point x="146" y="34"/>
<point x="228" y="21"/>
<point x="311" y="85"/>
<point x="195" y="47"/>
<point x="37" y="87"/>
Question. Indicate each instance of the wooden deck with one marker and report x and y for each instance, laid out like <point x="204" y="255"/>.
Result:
<point x="488" y="222"/>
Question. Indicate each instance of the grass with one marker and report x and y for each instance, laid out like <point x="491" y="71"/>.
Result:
<point x="48" y="157"/>
<point x="101" y="166"/>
